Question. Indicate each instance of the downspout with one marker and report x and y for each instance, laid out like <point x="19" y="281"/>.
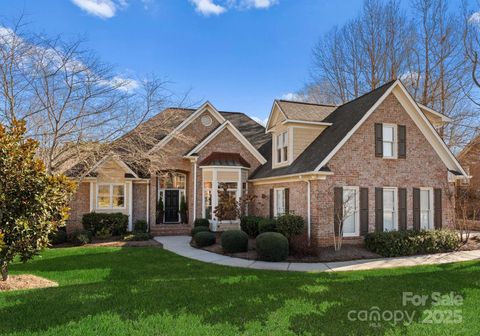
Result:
<point x="309" y="228"/>
<point x="194" y="212"/>
<point x="148" y="206"/>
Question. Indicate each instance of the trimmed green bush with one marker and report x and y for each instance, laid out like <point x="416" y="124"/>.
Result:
<point x="140" y="226"/>
<point x="272" y="246"/>
<point x="197" y="229"/>
<point x="249" y="225"/>
<point x="138" y="236"/>
<point x="201" y="222"/>
<point x="59" y="237"/>
<point x="267" y="225"/>
<point x="204" y="238"/>
<point x="94" y="222"/>
<point x="406" y="243"/>
<point x="290" y="225"/>
<point x="234" y="241"/>
<point x="80" y="237"/>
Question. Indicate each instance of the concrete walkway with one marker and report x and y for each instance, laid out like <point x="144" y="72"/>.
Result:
<point x="181" y="246"/>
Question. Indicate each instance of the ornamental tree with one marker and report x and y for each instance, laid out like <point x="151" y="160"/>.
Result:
<point x="33" y="204"/>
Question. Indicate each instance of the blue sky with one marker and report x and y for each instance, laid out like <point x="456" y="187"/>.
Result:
<point x="239" y="54"/>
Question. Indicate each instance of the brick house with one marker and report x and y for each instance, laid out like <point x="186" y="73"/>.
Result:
<point x="379" y="156"/>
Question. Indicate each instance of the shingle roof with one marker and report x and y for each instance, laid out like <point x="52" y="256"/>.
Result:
<point x="305" y="111"/>
<point x="250" y="129"/>
<point x="343" y="119"/>
<point x="225" y="159"/>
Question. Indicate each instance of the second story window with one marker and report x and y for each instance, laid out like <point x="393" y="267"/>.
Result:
<point x="282" y="147"/>
<point x="388" y="141"/>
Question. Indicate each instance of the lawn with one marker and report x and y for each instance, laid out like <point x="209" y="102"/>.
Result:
<point x="148" y="291"/>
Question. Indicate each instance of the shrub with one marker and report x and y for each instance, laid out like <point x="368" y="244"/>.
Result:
<point x="405" y="243"/>
<point x="80" y="237"/>
<point x="267" y="225"/>
<point x="140" y="226"/>
<point x="104" y="233"/>
<point x="197" y="229"/>
<point x="116" y="222"/>
<point x="58" y="237"/>
<point x="249" y="225"/>
<point x="204" y="238"/>
<point x="234" y="241"/>
<point x="138" y="236"/>
<point x="290" y="225"/>
<point x="272" y="246"/>
<point x="201" y="222"/>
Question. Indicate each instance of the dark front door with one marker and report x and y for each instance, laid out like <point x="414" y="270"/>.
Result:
<point x="171" y="206"/>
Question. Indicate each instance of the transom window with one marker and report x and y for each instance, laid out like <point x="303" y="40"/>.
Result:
<point x="426" y="206"/>
<point x="282" y="147"/>
<point x="111" y="196"/>
<point x="389" y="135"/>
<point x="279" y="200"/>
<point x="351" y="220"/>
<point x="389" y="209"/>
<point x="172" y="180"/>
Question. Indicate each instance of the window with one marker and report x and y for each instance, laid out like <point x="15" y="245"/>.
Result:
<point x="351" y="219"/>
<point x="426" y="207"/>
<point x="282" y="147"/>
<point x="389" y="141"/>
<point x="110" y="196"/>
<point x="390" y="209"/>
<point x="279" y="202"/>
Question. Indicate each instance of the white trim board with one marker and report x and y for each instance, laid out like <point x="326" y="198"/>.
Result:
<point x="418" y="117"/>
<point x="228" y="125"/>
<point x="207" y="106"/>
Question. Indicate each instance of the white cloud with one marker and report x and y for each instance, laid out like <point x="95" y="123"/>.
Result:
<point x="104" y="9"/>
<point x="208" y="7"/>
<point x="291" y="96"/>
<point x="217" y="7"/>
<point x="258" y="3"/>
<point x="262" y="122"/>
<point x="475" y="18"/>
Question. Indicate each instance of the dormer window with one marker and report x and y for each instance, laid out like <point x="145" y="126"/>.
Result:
<point x="282" y="147"/>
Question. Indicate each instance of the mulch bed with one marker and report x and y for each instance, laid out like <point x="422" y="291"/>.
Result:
<point x="472" y="244"/>
<point x="25" y="281"/>
<point x="319" y="254"/>
<point x="115" y="243"/>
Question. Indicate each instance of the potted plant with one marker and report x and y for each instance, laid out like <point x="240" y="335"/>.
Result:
<point x="183" y="210"/>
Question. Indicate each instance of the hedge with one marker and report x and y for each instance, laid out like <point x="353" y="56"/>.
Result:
<point x="201" y="222"/>
<point x="272" y="246"/>
<point x="406" y="243"/>
<point x="290" y="225"/>
<point x="140" y="226"/>
<point x="234" y="241"/>
<point x="197" y="229"/>
<point x="96" y="222"/>
<point x="249" y="224"/>
<point x="267" y="225"/>
<point x="204" y="238"/>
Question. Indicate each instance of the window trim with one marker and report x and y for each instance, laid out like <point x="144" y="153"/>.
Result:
<point x="431" y="223"/>
<point x="356" y="233"/>
<point x="111" y="185"/>
<point x="275" y="201"/>
<point x="394" y="142"/>
<point x="395" y="205"/>
<point x="284" y="138"/>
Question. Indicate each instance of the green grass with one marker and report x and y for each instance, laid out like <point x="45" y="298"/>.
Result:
<point x="148" y="291"/>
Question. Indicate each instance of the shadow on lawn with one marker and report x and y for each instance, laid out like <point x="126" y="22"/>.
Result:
<point x="141" y="282"/>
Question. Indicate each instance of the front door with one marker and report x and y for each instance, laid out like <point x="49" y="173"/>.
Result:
<point x="171" y="206"/>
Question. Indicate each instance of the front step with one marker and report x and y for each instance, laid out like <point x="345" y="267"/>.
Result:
<point x="170" y="229"/>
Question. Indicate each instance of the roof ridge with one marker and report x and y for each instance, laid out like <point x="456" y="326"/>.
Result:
<point x="369" y="92"/>
<point x="306" y="103"/>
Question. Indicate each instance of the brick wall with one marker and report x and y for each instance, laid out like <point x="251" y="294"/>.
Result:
<point x="355" y="164"/>
<point x="139" y="198"/>
<point x="79" y="206"/>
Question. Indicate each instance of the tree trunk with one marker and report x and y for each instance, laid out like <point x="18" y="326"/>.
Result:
<point x="4" y="271"/>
